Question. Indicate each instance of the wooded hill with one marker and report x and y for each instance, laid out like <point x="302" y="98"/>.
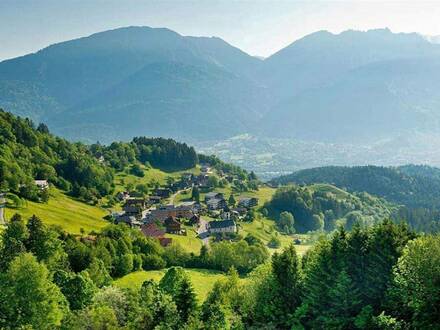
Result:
<point x="411" y="185"/>
<point x="29" y="152"/>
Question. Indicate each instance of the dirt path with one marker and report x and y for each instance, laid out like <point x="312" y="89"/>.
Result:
<point x="2" y="211"/>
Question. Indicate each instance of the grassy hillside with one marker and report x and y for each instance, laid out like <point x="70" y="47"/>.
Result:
<point x="202" y="279"/>
<point x="190" y="242"/>
<point x="64" y="211"/>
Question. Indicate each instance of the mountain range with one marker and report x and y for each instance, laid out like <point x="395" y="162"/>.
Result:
<point x="354" y="86"/>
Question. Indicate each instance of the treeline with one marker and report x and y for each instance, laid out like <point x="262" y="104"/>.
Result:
<point x="49" y="278"/>
<point x="324" y="207"/>
<point x="28" y="153"/>
<point x="412" y="186"/>
<point x="165" y="154"/>
<point x="377" y="278"/>
<point x="382" y="277"/>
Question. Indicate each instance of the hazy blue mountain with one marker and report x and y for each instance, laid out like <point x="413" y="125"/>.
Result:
<point x="150" y="81"/>
<point x="355" y="86"/>
<point x="349" y="87"/>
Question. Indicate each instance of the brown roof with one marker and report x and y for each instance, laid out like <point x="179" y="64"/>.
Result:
<point x="152" y="230"/>
<point x="165" y="241"/>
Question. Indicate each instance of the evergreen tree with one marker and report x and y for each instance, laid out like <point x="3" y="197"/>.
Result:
<point x="286" y="272"/>
<point x="195" y="195"/>
<point x="14" y="240"/>
<point x="343" y="305"/>
<point x="185" y="300"/>
<point x="231" y="200"/>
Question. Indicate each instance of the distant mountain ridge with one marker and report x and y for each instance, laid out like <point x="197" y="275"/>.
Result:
<point x="353" y="86"/>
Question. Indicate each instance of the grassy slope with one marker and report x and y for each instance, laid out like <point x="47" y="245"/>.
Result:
<point x="64" y="211"/>
<point x="202" y="279"/>
<point x="189" y="243"/>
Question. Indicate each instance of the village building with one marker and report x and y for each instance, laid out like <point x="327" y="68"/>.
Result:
<point x="213" y="195"/>
<point x="222" y="226"/>
<point x="42" y="184"/>
<point x="132" y="201"/>
<point x="163" y="212"/>
<point x="133" y="210"/>
<point x="122" y="195"/>
<point x="173" y="226"/>
<point x="163" y="192"/>
<point x="216" y="204"/>
<point x="201" y="181"/>
<point x="129" y="220"/>
<point x="248" y="202"/>
<point x="152" y="230"/>
<point x="154" y="199"/>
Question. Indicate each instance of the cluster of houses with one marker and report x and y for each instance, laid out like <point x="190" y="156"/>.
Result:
<point x="155" y="219"/>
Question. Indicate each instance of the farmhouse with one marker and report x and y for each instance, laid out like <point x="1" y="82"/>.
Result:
<point x="42" y="184"/>
<point x="173" y="226"/>
<point x="216" y="204"/>
<point x="130" y="220"/>
<point x="213" y="195"/>
<point x="162" y="192"/>
<point x="248" y="202"/>
<point x="223" y="226"/>
<point x="152" y="230"/>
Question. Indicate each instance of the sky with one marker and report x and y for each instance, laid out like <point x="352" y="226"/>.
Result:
<point x="259" y="27"/>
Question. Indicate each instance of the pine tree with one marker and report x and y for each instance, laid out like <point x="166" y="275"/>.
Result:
<point x="185" y="300"/>
<point x="14" y="241"/>
<point x="343" y="305"/>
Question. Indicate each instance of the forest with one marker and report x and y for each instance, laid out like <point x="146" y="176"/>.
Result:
<point x="324" y="207"/>
<point x="381" y="277"/>
<point x="29" y="152"/>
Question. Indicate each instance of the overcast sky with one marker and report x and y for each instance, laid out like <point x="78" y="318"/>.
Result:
<point x="257" y="27"/>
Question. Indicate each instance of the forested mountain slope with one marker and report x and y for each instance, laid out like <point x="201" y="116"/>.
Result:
<point x="413" y="186"/>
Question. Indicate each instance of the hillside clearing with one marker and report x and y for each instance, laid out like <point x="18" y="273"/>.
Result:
<point x="63" y="211"/>
<point x="202" y="280"/>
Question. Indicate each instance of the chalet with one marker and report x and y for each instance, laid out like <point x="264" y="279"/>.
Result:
<point x="122" y="195"/>
<point x="173" y="226"/>
<point x="163" y="192"/>
<point x="141" y="202"/>
<point x="193" y="206"/>
<point x="223" y="226"/>
<point x="129" y="220"/>
<point x="216" y="204"/>
<point x="205" y="168"/>
<point x="163" y="212"/>
<point x="133" y="210"/>
<point x="187" y="177"/>
<point x="248" y="202"/>
<point x="213" y="195"/>
<point x="195" y="220"/>
<point x="154" y="199"/>
<point x="239" y="211"/>
<point x="42" y="184"/>
<point x="152" y="230"/>
<point x="201" y="181"/>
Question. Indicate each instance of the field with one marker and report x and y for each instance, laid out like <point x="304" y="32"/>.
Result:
<point x="122" y="179"/>
<point x="189" y="243"/>
<point x="202" y="279"/>
<point x="64" y="211"/>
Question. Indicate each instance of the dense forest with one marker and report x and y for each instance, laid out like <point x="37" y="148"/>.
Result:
<point x="413" y="186"/>
<point x="324" y="207"/>
<point x="29" y="152"/>
<point x="383" y="277"/>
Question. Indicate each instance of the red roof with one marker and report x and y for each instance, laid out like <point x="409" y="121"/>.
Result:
<point x="152" y="230"/>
